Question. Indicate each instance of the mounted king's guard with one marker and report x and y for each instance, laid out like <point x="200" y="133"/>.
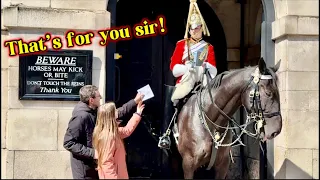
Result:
<point x="191" y="58"/>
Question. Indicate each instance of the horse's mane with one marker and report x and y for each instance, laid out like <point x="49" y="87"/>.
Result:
<point x="216" y="81"/>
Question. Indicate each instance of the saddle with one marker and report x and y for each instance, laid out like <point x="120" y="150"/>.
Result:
<point x="165" y="141"/>
<point x="184" y="100"/>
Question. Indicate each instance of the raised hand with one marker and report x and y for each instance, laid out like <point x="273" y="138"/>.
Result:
<point x="138" y="98"/>
<point x="140" y="107"/>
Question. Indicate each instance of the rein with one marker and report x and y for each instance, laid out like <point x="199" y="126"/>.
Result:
<point x="255" y="114"/>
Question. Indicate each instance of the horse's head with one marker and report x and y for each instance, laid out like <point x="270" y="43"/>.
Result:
<point x="262" y="101"/>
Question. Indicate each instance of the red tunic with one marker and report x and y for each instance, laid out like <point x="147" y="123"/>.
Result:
<point x="178" y="52"/>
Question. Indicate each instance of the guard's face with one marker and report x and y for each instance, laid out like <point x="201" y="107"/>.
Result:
<point x="196" y="33"/>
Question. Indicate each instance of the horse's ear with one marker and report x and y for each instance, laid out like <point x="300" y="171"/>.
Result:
<point x="276" y="67"/>
<point x="262" y="66"/>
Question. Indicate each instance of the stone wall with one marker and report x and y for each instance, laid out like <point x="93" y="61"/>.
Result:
<point x="4" y="101"/>
<point x="296" y="35"/>
<point x="32" y="131"/>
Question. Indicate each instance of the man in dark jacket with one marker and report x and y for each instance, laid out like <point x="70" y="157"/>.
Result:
<point x="78" y="137"/>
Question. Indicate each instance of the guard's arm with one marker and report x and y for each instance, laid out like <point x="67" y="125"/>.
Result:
<point x="176" y="66"/>
<point x="211" y="62"/>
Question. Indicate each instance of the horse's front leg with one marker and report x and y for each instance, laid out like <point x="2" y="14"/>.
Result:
<point x="188" y="166"/>
<point x="221" y="168"/>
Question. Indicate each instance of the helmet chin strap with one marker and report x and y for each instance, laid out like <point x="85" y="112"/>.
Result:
<point x="196" y="39"/>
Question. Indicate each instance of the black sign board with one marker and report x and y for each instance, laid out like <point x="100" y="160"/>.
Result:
<point x="54" y="75"/>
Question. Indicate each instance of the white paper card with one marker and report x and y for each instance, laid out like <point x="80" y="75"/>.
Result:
<point x="147" y="92"/>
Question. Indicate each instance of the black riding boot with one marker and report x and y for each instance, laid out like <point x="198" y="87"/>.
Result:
<point x="169" y="110"/>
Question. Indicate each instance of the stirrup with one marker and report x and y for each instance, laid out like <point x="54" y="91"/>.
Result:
<point x="164" y="142"/>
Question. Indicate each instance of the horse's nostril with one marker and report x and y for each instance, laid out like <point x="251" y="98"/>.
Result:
<point x="274" y="134"/>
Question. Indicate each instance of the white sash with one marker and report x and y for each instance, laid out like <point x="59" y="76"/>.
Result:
<point x="193" y="48"/>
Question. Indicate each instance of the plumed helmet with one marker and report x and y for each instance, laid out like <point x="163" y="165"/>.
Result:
<point x="195" y="19"/>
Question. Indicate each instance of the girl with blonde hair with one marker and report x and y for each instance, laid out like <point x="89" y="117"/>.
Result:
<point x="108" y="141"/>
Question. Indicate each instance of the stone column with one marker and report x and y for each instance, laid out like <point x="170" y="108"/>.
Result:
<point x="5" y="154"/>
<point x="296" y="37"/>
<point x="34" y="130"/>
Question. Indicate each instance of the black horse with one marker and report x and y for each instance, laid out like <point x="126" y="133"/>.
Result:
<point x="204" y="124"/>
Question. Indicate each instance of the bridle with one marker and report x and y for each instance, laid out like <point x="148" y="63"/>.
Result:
<point x="254" y="115"/>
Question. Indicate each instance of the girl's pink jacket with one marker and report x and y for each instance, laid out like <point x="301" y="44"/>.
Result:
<point x="115" y="166"/>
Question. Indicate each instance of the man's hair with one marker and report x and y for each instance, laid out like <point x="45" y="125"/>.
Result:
<point x="87" y="92"/>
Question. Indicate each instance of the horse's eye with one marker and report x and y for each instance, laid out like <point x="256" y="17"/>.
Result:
<point x="269" y="94"/>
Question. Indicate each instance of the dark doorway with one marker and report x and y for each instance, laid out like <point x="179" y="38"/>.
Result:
<point x="146" y="61"/>
<point x="141" y="64"/>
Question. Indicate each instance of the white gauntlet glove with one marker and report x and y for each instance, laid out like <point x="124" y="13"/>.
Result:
<point x="179" y="70"/>
<point x="212" y="70"/>
<point x="189" y="67"/>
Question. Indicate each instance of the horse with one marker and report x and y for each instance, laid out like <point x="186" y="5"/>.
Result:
<point x="204" y="125"/>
